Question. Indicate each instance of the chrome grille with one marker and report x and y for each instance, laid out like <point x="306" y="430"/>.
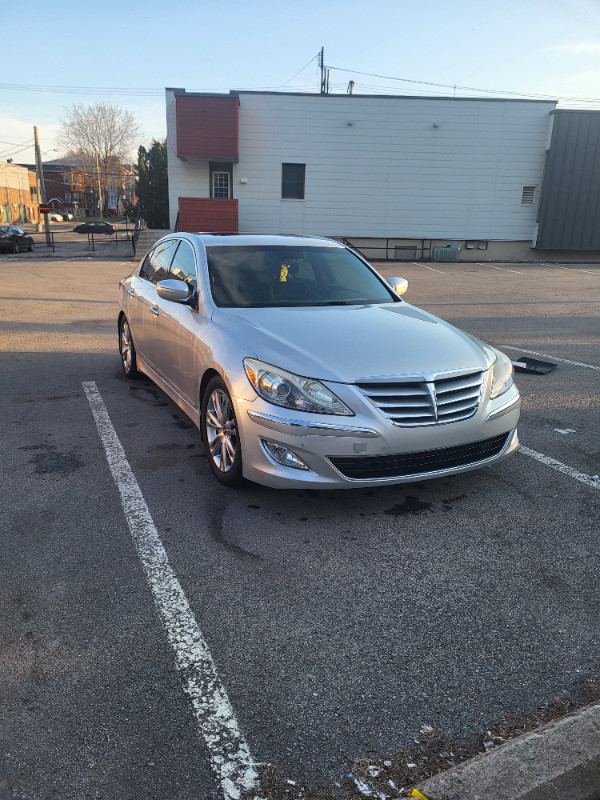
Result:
<point x="425" y="402"/>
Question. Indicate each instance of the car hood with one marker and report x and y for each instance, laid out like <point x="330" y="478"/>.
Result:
<point x="346" y="343"/>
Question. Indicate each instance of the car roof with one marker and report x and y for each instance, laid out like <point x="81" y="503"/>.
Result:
<point x="247" y="239"/>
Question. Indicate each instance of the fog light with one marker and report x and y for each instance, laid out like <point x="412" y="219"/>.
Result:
<point x="281" y="455"/>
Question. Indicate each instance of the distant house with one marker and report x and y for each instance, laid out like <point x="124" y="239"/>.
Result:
<point x="68" y="187"/>
<point x="121" y="190"/>
<point x="18" y="194"/>
<point x="72" y="188"/>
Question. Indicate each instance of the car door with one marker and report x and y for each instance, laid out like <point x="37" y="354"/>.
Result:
<point x="151" y="330"/>
<point x="184" y="350"/>
<point x="20" y="238"/>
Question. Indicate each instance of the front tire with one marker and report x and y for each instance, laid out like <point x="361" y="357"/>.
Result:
<point x="16" y="248"/>
<point x="127" y="349"/>
<point x="220" y="434"/>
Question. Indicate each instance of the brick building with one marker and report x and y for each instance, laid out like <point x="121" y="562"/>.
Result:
<point x="18" y="194"/>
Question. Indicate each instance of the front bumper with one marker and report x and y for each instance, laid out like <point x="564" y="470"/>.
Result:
<point x="368" y="449"/>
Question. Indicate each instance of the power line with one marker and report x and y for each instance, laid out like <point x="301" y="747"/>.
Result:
<point x="470" y="88"/>
<point x="14" y="144"/>
<point x="12" y="151"/>
<point x="155" y="92"/>
<point x="314" y="58"/>
<point x="23" y="87"/>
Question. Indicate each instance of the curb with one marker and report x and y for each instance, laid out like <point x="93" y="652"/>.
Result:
<point x="559" y="761"/>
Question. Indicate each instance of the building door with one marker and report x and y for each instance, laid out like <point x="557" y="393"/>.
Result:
<point x="221" y="180"/>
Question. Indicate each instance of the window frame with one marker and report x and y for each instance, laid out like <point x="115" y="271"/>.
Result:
<point x="286" y="192"/>
<point x="218" y="168"/>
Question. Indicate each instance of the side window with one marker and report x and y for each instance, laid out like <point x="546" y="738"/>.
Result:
<point x="145" y="268"/>
<point x="183" y="267"/>
<point x="157" y="266"/>
<point x="292" y="181"/>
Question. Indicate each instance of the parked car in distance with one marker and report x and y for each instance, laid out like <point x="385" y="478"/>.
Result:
<point x="303" y="367"/>
<point x="55" y="216"/>
<point x="67" y="216"/>
<point x="95" y="227"/>
<point x="14" y="239"/>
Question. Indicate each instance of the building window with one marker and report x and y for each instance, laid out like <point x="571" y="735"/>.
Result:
<point x="33" y="193"/>
<point x="67" y="197"/>
<point x="75" y="197"/>
<point x="528" y="195"/>
<point x="292" y="181"/>
<point x="66" y="179"/>
<point x="221" y="179"/>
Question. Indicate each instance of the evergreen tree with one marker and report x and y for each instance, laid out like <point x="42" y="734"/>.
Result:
<point x="151" y="185"/>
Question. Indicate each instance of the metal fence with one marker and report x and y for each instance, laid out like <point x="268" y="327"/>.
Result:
<point x="121" y="241"/>
<point x="391" y="250"/>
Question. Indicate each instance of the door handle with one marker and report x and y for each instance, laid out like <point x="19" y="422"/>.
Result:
<point x="154" y="310"/>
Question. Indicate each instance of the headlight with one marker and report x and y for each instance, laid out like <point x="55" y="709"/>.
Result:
<point x="292" y="391"/>
<point x="502" y="371"/>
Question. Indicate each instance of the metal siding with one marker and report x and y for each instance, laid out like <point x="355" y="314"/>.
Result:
<point x="207" y="127"/>
<point x="204" y="214"/>
<point x="391" y="173"/>
<point x="570" y="202"/>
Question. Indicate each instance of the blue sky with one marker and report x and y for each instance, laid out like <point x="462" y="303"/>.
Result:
<point x="547" y="47"/>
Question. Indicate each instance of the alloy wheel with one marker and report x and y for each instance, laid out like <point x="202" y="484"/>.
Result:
<point x="126" y="347"/>
<point x="221" y="430"/>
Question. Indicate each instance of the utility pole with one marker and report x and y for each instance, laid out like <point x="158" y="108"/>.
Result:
<point x="324" y="73"/>
<point x="99" y="189"/>
<point x="41" y="184"/>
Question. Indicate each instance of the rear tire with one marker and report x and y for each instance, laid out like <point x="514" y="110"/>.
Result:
<point x="220" y="434"/>
<point x="16" y="248"/>
<point x="127" y="350"/>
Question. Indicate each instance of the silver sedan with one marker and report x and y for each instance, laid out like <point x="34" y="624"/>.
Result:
<point x="302" y="367"/>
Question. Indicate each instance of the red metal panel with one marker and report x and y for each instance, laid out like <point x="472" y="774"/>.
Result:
<point x="204" y="214"/>
<point x="207" y="127"/>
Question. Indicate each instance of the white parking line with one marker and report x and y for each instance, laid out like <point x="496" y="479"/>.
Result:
<point x="502" y="269"/>
<point x="570" y="269"/>
<point x="417" y="264"/>
<point x="589" y="480"/>
<point x="230" y="757"/>
<point x="552" y="358"/>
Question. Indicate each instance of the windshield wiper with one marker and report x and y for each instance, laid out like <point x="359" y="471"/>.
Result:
<point x="342" y="303"/>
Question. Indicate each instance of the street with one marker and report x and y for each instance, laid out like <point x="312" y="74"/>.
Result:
<point x="339" y="623"/>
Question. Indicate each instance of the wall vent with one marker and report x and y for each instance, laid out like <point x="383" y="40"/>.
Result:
<point x="528" y="195"/>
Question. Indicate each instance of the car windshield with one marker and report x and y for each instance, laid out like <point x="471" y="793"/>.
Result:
<point x="262" y="276"/>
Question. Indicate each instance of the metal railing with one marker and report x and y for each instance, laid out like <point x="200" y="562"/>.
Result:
<point x="417" y="251"/>
<point x="67" y="241"/>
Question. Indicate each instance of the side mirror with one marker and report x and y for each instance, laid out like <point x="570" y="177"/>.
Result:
<point x="177" y="291"/>
<point x="399" y="285"/>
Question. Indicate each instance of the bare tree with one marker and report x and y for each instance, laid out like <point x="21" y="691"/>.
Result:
<point x="99" y="138"/>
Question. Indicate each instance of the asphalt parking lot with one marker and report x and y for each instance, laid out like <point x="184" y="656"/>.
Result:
<point x="338" y="623"/>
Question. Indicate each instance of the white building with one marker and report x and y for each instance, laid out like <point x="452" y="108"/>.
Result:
<point x="395" y="172"/>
